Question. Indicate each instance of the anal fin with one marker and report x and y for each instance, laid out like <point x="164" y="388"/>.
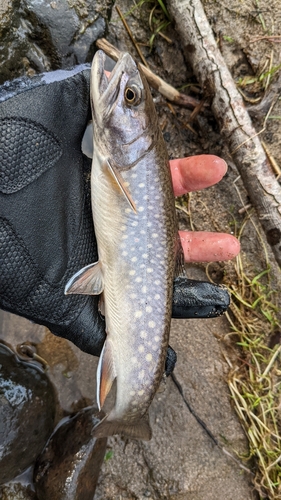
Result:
<point x="106" y="373"/>
<point x="87" y="281"/>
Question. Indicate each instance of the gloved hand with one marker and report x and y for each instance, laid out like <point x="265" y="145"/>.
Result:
<point x="46" y="229"/>
<point x="46" y="223"/>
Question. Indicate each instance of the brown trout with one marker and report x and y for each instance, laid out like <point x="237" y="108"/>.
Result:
<point x="136" y="230"/>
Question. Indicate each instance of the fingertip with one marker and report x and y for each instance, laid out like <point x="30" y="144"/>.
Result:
<point x="196" y="172"/>
<point x="234" y="246"/>
<point x="208" y="247"/>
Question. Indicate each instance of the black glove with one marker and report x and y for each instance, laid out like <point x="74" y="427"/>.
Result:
<point x="46" y="223"/>
<point x="46" y="229"/>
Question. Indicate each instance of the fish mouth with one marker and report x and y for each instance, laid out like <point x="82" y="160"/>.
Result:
<point x="106" y="88"/>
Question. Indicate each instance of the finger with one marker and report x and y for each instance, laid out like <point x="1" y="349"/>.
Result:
<point x="208" y="247"/>
<point x="196" y="172"/>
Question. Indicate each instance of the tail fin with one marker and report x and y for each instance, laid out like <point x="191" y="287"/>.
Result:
<point x="138" y="430"/>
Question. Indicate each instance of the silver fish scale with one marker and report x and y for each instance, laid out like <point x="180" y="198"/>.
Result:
<point x="139" y="253"/>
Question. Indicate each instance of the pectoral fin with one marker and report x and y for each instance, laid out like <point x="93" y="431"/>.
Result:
<point x="121" y="183"/>
<point x="106" y="373"/>
<point x="88" y="281"/>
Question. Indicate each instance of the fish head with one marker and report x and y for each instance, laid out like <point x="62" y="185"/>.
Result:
<point x="124" y="116"/>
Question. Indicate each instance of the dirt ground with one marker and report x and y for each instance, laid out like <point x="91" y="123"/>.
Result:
<point x="182" y="462"/>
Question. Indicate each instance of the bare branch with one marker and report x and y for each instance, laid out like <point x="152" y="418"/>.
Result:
<point x="235" y="124"/>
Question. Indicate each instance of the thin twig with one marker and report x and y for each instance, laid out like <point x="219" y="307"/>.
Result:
<point x="270" y="38"/>
<point x="154" y="81"/>
<point x="272" y="161"/>
<point x="127" y="28"/>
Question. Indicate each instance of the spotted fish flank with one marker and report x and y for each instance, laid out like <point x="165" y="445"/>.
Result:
<point x="136" y="230"/>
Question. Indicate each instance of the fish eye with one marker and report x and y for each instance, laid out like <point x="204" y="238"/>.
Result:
<point x="133" y="95"/>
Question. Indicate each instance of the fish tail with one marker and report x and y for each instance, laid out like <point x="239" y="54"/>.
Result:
<point x="138" y="430"/>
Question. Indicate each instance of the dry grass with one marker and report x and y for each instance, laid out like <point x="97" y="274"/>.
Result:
<point x="255" y="377"/>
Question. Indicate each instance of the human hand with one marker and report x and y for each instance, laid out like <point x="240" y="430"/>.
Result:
<point x="193" y="174"/>
<point x="45" y="222"/>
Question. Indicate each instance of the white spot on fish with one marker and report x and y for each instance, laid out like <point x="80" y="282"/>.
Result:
<point x="124" y="253"/>
<point x="151" y="324"/>
<point x="138" y="279"/>
<point x="144" y="255"/>
<point x="148" y="309"/>
<point x="127" y="210"/>
<point x="154" y="235"/>
<point x="141" y="392"/>
<point x="135" y="223"/>
<point x="141" y="375"/>
<point x="149" y="270"/>
<point x="124" y="236"/>
<point x="140" y="209"/>
<point x="134" y="360"/>
<point x="141" y="348"/>
<point x="138" y="314"/>
<point x="132" y="272"/>
<point x="141" y="185"/>
<point x="132" y="393"/>
<point x="157" y="296"/>
<point x="134" y="259"/>
<point x="157" y="282"/>
<point x="143" y="334"/>
<point x="133" y="295"/>
<point x="148" y="357"/>
<point x="123" y="228"/>
<point x="157" y="338"/>
<point x="144" y="289"/>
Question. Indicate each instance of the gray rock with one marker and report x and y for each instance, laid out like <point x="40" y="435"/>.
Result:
<point x="39" y="36"/>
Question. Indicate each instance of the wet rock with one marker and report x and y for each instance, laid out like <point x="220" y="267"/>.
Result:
<point x="27" y="411"/>
<point x="41" y="36"/>
<point x="68" y="468"/>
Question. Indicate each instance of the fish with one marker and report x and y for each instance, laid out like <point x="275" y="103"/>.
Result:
<point x="138" y="244"/>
